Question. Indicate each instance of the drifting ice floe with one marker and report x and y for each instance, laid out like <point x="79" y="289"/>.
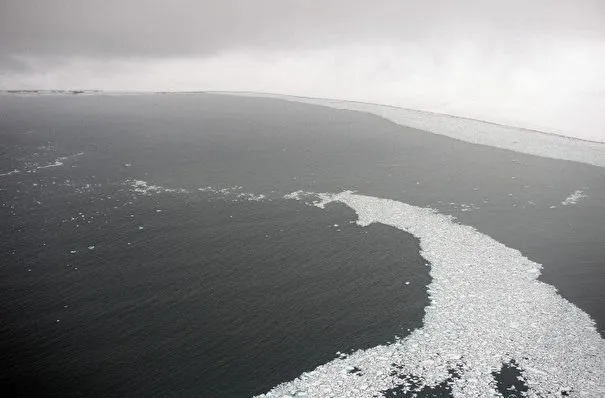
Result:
<point x="573" y="198"/>
<point x="10" y="173"/>
<point x="487" y="310"/>
<point x="144" y="188"/>
<point x="235" y="193"/>
<point x="56" y="163"/>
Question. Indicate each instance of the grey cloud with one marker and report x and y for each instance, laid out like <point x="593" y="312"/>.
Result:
<point x="531" y="63"/>
<point x="155" y="28"/>
<point x="11" y="64"/>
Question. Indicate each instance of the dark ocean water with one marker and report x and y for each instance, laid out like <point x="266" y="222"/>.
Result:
<point x="197" y="294"/>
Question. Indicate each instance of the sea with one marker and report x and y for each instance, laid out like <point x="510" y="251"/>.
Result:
<point x="149" y="246"/>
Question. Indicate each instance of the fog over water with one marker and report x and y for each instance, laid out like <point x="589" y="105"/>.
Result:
<point x="537" y="64"/>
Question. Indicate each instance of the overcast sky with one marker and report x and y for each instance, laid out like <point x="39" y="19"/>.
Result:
<point x="533" y="63"/>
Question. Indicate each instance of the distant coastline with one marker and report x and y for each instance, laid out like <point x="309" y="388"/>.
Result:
<point x="51" y="91"/>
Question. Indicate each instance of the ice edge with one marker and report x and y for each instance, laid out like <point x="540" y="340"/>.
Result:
<point x="487" y="309"/>
<point x="522" y="140"/>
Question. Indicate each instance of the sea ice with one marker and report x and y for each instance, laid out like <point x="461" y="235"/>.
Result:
<point x="487" y="310"/>
<point x="573" y="198"/>
<point x="470" y="130"/>
<point x="144" y="188"/>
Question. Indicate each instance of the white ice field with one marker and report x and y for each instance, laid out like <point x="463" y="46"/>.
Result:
<point x="470" y="130"/>
<point x="487" y="309"/>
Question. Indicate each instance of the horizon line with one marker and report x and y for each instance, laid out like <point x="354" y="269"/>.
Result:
<point x="81" y="91"/>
